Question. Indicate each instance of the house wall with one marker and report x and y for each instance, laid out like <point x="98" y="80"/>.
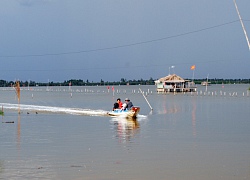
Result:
<point x="160" y="85"/>
<point x="175" y="87"/>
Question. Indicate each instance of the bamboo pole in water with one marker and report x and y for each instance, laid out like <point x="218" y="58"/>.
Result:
<point x="17" y="88"/>
<point x="242" y="25"/>
<point x="146" y="99"/>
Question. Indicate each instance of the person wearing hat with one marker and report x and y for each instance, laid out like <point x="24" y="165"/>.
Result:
<point x="127" y="105"/>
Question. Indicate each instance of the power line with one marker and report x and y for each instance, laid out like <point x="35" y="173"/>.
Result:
<point x="119" y="46"/>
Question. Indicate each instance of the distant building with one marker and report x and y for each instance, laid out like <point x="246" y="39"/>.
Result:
<point x="174" y="83"/>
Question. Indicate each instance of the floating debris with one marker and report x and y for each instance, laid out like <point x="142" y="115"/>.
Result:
<point x="75" y="166"/>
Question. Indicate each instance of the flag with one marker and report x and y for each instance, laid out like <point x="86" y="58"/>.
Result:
<point x="192" y="67"/>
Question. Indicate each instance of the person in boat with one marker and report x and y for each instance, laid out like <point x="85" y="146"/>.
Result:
<point x="127" y="105"/>
<point x="118" y="104"/>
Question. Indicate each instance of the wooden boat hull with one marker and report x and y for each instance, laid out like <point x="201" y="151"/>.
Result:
<point x="132" y="113"/>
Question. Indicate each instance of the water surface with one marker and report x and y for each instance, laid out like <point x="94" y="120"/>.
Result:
<point x="64" y="133"/>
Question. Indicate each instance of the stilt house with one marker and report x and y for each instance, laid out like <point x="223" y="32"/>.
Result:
<point x="174" y="83"/>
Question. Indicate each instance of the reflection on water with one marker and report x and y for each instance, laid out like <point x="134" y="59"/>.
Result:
<point x="126" y="128"/>
<point x="194" y="117"/>
<point x="168" y="108"/>
<point x="21" y="164"/>
<point x="18" y="131"/>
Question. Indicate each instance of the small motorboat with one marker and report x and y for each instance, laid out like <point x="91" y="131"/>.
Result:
<point x="132" y="113"/>
<point x="205" y="83"/>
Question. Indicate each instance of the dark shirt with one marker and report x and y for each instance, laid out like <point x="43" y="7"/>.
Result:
<point x="129" y="105"/>
<point x="116" y="106"/>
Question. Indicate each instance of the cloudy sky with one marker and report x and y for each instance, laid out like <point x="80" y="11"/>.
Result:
<point x="113" y="39"/>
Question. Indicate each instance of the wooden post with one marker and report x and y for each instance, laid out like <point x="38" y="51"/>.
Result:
<point x="17" y="87"/>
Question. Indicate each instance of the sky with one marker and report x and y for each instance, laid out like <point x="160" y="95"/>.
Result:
<point x="94" y="40"/>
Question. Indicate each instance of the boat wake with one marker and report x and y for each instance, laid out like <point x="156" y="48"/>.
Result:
<point x="51" y="109"/>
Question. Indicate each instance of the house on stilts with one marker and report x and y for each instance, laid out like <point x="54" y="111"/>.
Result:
<point x="174" y="83"/>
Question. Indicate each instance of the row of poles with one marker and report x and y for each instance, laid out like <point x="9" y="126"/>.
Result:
<point x="221" y="93"/>
<point x="134" y="91"/>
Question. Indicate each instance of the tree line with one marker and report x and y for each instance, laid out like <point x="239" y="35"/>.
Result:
<point x="123" y="81"/>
